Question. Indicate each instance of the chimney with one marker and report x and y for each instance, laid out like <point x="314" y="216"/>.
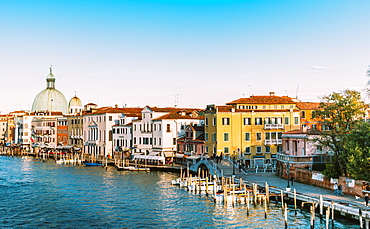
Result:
<point x="272" y="93"/>
<point x="116" y="106"/>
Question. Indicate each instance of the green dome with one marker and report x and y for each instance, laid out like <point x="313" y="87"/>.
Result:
<point x="50" y="99"/>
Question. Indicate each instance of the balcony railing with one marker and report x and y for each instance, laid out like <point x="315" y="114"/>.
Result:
<point x="92" y="142"/>
<point x="274" y="142"/>
<point x="273" y="126"/>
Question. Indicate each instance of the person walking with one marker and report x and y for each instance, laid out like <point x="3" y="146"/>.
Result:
<point x="335" y="187"/>
<point x="366" y="199"/>
<point x="340" y="193"/>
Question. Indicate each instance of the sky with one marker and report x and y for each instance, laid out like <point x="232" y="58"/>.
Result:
<point x="188" y="53"/>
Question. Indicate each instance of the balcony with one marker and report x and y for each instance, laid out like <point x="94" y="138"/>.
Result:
<point x="92" y="142"/>
<point x="274" y="142"/>
<point x="273" y="126"/>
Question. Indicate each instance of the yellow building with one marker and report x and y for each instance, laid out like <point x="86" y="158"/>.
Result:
<point x="250" y="129"/>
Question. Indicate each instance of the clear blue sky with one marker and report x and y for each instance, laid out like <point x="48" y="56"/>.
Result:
<point x="144" y="52"/>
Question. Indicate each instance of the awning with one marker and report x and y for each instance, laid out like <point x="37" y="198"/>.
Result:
<point x="168" y="154"/>
<point x="147" y="157"/>
<point x="194" y="157"/>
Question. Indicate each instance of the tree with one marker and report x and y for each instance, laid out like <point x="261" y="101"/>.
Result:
<point x="338" y="113"/>
<point x="357" y="147"/>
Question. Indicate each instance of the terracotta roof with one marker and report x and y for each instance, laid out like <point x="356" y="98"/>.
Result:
<point x="269" y="99"/>
<point x="171" y="109"/>
<point x="229" y="108"/>
<point x="176" y="115"/>
<point x="126" y="110"/>
<point x="308" y="105"/>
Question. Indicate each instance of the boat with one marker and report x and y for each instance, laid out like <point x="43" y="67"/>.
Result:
<point x="92" y="164"/>
<point x="138" y="169"/>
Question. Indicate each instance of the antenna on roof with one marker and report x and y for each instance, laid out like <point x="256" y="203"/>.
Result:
<point x="296" y="94"/>
<point x="176" y="100"/>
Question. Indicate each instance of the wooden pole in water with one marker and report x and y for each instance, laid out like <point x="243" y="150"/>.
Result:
<point x="234" y="196"/>
<point x="312" y="218"/>
<point x="295" y="202"/>
<point x="321" y="207"/>
<point x="180" y="173"/>
<point x="282" y="200"/>
<point x="265" y="203"/>
<point x="327" y="218"/>
<point x="286" y="216"/>
<point x="206" y="186"/>
<point x="367" y="223"/>
<point x="332" y="211"/>
<point x="267" y="192"/>
<point x="255" y="193"/>
<point x="245" y="193"/>
<point x="360" y="217"/>
<point x="248" y="204"/>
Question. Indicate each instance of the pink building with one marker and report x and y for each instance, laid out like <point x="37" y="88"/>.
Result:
<point x="192" y="145"/>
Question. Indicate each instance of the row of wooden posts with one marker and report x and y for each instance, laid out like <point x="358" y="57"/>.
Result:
<point x="230" y="184"/>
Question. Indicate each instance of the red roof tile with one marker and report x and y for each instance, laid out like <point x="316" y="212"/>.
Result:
<point x="308" y="105"/>
<point x="270" y="99"/>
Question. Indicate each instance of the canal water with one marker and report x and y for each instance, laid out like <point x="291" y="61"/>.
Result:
<point x="35" y="194"/>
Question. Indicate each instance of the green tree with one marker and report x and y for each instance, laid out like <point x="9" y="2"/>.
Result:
<point x="338" y="113"/>
<point x="357" y="147"/>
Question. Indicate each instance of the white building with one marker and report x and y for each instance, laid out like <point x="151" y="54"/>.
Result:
<point x="156" y="133"/>
<point x="122" y="132"/>
<point x="97" y="126"/>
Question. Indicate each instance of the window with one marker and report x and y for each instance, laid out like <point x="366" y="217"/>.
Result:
<point x="280" y="148"/>
<point x="286" y="120"/>
<point x="226" y="149"/>
<point x="225" y="121"/>
<point x="247" y="137"/>
<point x="313" y="126"/>
<point x="168" y="128"/>
<point x="296" y="120"/>
<point x="259" y="149"/>
<point x="159" y="141"/>
<point x="206" y="136"/>
<point x="206" y="121"/>
<point x="303" y="114"/>
<point x="258" y="136"/>
<point x="247" y="121"/>
<point x="268" y="149"/>
<point x="313" y="114"/>
<point x="241" y="107"/>
<point x="214" y="137"/>
<point x="248" y="150"/>
<point x="214" y="121"/>
<point x="174" y="141"/>
<point x="258" y="121"/>
<point x="226" y="137"/>
<point x="110" y="118"/>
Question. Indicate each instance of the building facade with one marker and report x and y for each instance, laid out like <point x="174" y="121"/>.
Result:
<point x="250" y="129"/>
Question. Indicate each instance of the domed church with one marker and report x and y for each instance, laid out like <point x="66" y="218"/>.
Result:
<point x="50" y="99"/>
